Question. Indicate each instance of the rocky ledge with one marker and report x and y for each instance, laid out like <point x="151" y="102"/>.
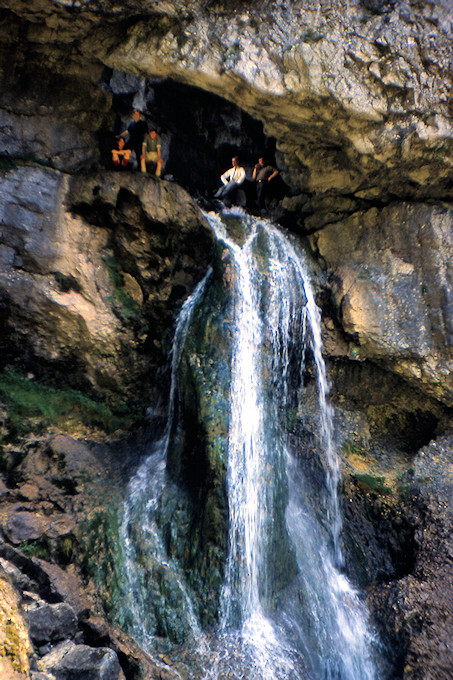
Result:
<point x="93" y="269"/>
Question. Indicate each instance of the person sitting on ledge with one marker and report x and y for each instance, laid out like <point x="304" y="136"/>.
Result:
<point x="151" y="159"/>
<point x="231" y="179"/>
<point x="121" y="156"/>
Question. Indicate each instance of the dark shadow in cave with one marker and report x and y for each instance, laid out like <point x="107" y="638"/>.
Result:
<point x="200" y="133"/>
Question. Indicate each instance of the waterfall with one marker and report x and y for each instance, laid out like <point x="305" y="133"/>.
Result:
<point x="287" y="612"/>
<point x="272" y="309"/>
<point x="139" y="525"/>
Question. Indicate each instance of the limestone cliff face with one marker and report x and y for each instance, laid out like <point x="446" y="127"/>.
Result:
<point x="357" y="95"/>
<point x="93" y="269"/>
<point x="390" y="274"/>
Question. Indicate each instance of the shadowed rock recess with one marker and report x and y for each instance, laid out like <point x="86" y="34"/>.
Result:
<point x="352" y="101"/>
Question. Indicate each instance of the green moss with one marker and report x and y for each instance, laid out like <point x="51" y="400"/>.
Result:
<point x="34" y="549"/>
<point x="291" y="419"/>
<point x="348" y="448"/>
<point x="128" y="307"/>
<point x="33" y="406"/>
<point x="12" y="645"/>
<point x="102" y="557"/>
<point x="373" y="483"/>
<point x="66" y="550"/>
<point x="234" y="227"/>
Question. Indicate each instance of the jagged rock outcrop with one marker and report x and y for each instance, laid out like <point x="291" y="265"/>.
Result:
<point x="402" y="525"/>
<point x="391" y="277"/>
<point x="93" y="269"/>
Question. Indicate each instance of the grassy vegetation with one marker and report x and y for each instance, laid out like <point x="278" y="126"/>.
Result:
<point x="348" y="448"/>
<point x="373" y="483"/>
<point x="35" y="407"/>
<point x="34" y="549"/>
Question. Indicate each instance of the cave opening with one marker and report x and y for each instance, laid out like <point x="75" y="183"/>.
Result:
<point x="200" y="131"/>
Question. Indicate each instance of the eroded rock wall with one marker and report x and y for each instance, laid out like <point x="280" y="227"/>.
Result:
<point x="390" y="273"/>
<point x="357" y="96"/>
<point x="93" y="270"/>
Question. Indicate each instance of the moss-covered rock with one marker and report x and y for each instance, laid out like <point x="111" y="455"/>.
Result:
<point x="195" y="523"/>
<point x="102" y="560"/>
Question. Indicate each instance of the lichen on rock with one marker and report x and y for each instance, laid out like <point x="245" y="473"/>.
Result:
<point x="15" y="646"/>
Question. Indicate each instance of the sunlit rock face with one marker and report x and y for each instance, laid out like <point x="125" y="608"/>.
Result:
<point x="92" y="271"/>
<point x="389" y="271"/>
<point x="356" y="93"/>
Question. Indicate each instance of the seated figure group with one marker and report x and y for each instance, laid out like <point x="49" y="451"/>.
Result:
<point x="232" y="179"/>
<point x="145" y="144"/>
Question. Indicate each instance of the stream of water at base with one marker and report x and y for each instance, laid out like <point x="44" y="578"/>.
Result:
<point x="300" y="618"/>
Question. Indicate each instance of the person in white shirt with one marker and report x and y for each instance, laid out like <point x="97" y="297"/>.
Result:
<point x="231" y="179"/>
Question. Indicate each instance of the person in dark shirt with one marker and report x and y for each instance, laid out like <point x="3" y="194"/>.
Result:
<point x="134" y="134"/>
<point x="262" y="174"/>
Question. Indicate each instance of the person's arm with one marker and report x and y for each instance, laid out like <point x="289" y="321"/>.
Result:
<point x="274" y="174"/>
<point x="225" y="178"/>
<point x="255" y="170"/>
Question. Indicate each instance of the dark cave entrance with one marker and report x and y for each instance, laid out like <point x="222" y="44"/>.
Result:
<point x="200" y="132"/>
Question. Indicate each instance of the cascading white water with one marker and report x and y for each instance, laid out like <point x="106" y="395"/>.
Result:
<point x="140" y="509"/>
<point x="287" y="612"/>
<point x="245" y="449"/>
<point x="271" y="306"/>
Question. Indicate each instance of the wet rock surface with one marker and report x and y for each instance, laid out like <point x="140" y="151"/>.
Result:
<point x="399" y="540"/>
<point x="54" y="595"/>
